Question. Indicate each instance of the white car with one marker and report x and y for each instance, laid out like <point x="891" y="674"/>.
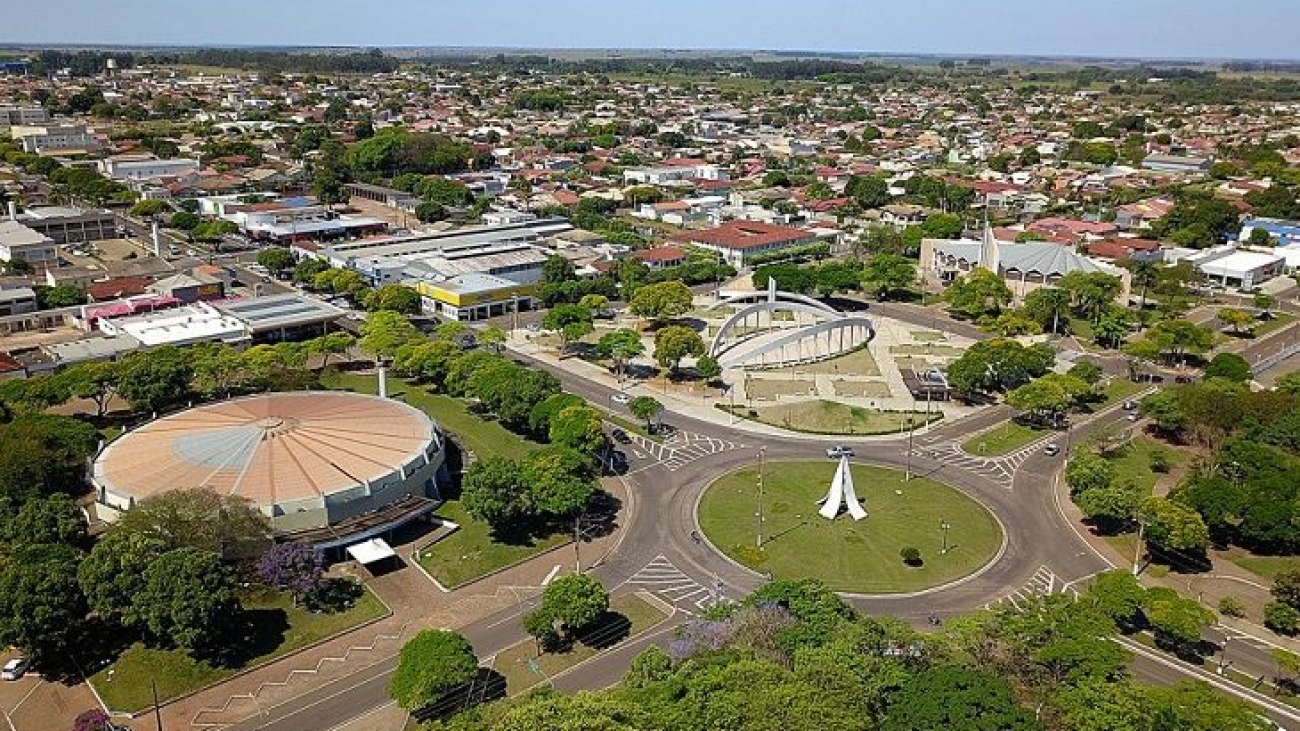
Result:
<point x="839" y="451"/>
<point x="619" y="398"/>
<point x="15" y="669"/>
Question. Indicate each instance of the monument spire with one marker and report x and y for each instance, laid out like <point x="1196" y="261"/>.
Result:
<point x="842" y="494"/>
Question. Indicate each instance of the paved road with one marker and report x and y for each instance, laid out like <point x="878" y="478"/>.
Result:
<point x="658" y="553"/>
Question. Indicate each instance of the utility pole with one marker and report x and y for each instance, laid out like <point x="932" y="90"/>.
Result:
<point x="1137" y="554"/>
<point x="157" y="714"/>
<point x="911" y="421"/>
<point x="762" y="452"/>
<point x="944" y="526"/>
<point x="577" y="543"/>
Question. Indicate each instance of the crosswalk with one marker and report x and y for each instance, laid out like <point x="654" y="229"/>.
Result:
<point x="1042" y="583"/>
<point x="1000" y="469"/>
<point x="683" y="447"/>
<point x="662" y="578"/>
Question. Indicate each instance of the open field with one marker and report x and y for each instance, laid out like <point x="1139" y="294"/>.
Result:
<point x="862" y="389"/>
<point x="834" y="418"/>
<point x="857" y="363"/>
<point x="1006" y="437"/>
<point x="768" y="389"/>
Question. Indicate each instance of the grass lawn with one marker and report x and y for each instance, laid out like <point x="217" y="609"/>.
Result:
<point x="1267" y="567"/>
<point x="1006" y="437"/>
<point x="482" y="437"/>
<point x="1116" y="391"/>
<point x="928" y="336"/>
<point x="1279" y="321"/>
<point x="831" y="417"/>
<point x="628" y="616"/>
<point x="847" y="555"/>
<point x="861" y="389"/>
<point x="124" y="685"/>
<point x="471" y="552"/>
<point x="768" y="389"/>
<point x="1133" y="462"/>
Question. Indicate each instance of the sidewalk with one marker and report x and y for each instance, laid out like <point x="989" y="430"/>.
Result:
<point x="697" y="405"/>
<point x="416" y="604"/>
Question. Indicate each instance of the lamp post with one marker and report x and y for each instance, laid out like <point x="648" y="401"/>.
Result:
<point x="1137" y="553"/>
<point x="1223" y="654"/>
<point x="762" y="453"/>
<point x="944" y="526"/>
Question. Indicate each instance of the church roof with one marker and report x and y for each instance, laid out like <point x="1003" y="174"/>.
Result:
<point x="1042" y="257"/>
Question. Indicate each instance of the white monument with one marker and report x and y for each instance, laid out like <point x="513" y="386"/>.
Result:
<point x="842" y="495"/>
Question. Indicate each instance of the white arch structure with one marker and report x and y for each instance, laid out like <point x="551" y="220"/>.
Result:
<point x="834" y="333"/>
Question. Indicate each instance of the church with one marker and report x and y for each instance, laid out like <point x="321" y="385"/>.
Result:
<point x="1023" y="266"/>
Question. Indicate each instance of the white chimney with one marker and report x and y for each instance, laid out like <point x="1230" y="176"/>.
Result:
<point x="13" y="211"/>
<point x="383" y="382"/>
<point x="157" y="241"/>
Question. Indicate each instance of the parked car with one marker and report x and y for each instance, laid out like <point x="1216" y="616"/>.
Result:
<point x="15" y="669"/>
<point x="1052" y="450"/>
<point x="620" y="398"/>
<point x="1130" y="406"/>
<point x="620" y="436"/>
<point x="838" y="451"/>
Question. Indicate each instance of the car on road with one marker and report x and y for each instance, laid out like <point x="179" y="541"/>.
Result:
<point x="620" y="436"/>
<point x="15" y="669"/>
<point x="838" y="451"/>
<point x="1133" y="416"/>
<point x="620" y="398"/>
<point x="1130" y="406"/>
<point x="1052" y="450"/>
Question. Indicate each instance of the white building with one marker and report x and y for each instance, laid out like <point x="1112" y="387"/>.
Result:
<point x="47" y="139"/>
<point x="147" y="169"/>
<point x="22" y="243"/>
<point x="673" y="174"/>
<point x="196" y="323"/>
<point x="11" y="115"/>
<point x="1239" y="268"/>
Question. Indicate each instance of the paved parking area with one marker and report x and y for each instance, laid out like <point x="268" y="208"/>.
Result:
<point x="31" y="703"/>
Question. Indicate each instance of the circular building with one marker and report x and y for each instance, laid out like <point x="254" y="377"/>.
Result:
<point x="325" y="467"/>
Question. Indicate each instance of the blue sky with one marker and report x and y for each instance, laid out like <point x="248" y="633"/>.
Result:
<point x="1148" y="28"/>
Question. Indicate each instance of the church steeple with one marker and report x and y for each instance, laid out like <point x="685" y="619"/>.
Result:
<point x="989" y="255"/>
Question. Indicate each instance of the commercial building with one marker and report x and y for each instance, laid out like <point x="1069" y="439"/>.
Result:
<point x="142" y="169"/>
<point x="282" y="224"/>
<point x="471" y="297"/>
<point x="17" y="301"/>
<point x="327" y="468"/>
<point x="66" y="225"/>
<point x="12" y="115"/>
<point x="280" y="317"/>
<point x="19" y="242"/>
<point x="186" y="325"/>
<point x="1177" y="164"/>
<point x="1229" y="266"/>
<point x="50" y="139"/>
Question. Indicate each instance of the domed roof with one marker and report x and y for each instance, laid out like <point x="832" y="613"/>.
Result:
<point x="271" y="448"/>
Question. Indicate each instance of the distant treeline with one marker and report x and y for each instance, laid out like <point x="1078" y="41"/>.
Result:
<point x="79" y="63"/>
<point x="368" y="62"/>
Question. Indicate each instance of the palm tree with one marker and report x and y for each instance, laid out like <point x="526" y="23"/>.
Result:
<point x="1145" y="274"/>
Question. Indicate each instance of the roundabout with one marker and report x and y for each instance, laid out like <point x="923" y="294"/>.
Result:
<point x="857" y="557"/>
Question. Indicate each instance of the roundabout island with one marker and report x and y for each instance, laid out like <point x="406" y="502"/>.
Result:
<point x="851" y="556"/>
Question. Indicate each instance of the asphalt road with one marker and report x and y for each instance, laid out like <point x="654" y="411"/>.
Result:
<point x="659" y="530"/>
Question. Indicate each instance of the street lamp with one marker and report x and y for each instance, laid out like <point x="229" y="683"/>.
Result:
<point x="762" y="453"/>
<point x="944" y="526"/>
<point x="1137" y="553"/>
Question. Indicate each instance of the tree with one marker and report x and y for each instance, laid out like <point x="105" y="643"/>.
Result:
<point x="674" y="343"/>
<point x="148" y="207"/>
<point x="577" y="600"/>
<point x="492" y="337"/>
<point x="661" y="302"/>
<point x="572" y="321"/>
<point x="1173" y="526"/>
<point x="1176" y="619"/>
<point x="492" y="491"/>
<point x="1118" y="595"/>
<point x="998" y="364"/>
<point x="155" y="380"/>
<point x="293" y="567"/>
<point x="42" y="609"/>
<point x="60" y="295"/>
<point x="94" y="380"/>
<point x="385" y="332"/>
<point x="1239" y="320"/>
<point x="48" y="520"/>
<point x="1195" y="706"/>
<point x="1048" y="306"/>
<point x="645" y="408"/>
<point x="788" y="278"/>
<point x="1286" y="587"/>
<point x="579" y="428"/>
<point x="1282" y="618"/>
<point x="1112" y="327"/>
<point x="956" y="699"/>
<point x="112" y="575"/>
<point x="335" y="343"/>
<point x="559" y="480"/>
<point x="1048" y="396"/>
<point x="708" y="368"/>
<point x="188" y="601"/>
<point x="1089" y="471"/>
<point x="394" y="298"/>
<point x="1091" y="292"/>
<point x="432" y="663"/>
<point x="1011" y="324"/>
<point x="1177" y="338"/>
<point x="226" y="525"/>
<point x="833" y="277"/>
<point x="978" y="293"/>
<point x="1087" y="371"/>
<point x="93" y="720"/>
<point x="1113" y="505"/>
<point x="42" y="454"/>
<point x="1229" y="366"/>
<point x="276" y="259"/>
<point x="621" y="346"/>
<point x="886" y="275"/>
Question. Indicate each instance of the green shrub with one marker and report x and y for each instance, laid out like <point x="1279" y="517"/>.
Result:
<point x="1231" y="606"/>
<point x="1281" y="618"/>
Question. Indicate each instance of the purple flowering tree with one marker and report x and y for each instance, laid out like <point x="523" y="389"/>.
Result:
<point x="92" y="720"/>
<point x="292" y="567"/>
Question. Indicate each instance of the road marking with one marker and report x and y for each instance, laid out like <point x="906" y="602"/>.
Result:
<point x="662" y="578"/>
<point x="1044" y="582"/>
<point x="551" y="576"/>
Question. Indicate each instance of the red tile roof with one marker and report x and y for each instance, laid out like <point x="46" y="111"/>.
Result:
<point x="746" y="235"/>
<point x="661" y="254"/>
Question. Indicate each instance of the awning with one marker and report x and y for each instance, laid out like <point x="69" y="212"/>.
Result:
<point x="371" y="551"/>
